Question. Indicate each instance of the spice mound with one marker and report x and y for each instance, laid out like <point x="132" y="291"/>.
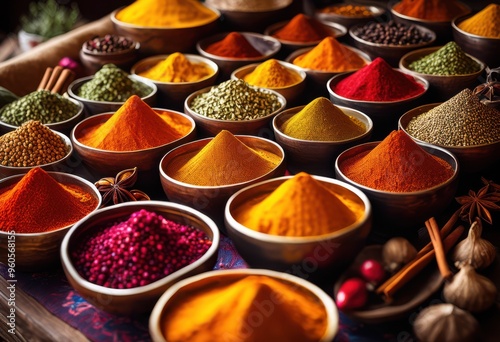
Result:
<point x="136" y="126"/>
<point x="236" y="100"/>
<point x="112" y="84"/>
<point x="272" y="74"/>
<point x="177" y="68"/>
<point x="485" y="23"/>
<point x="41" y="105"/>
<point x="448" y="60"/>
<point x="39" y="203"/>
<point x="226" y="308"/>
<point x="463" y="120"/>
<point x="378" y="81"/>
<point x="321" y="120"/>
<point x="302" y="28"/>
<point x="397" y="164"/>
<point x="356" y="11"/>
<point x="31" y="144"/>
<point x="330" y="55"/>
<point x="234" y="45"/>
<point x="108" y="43"/>
<point x="434" y="10"/>
<point x="138" y="250"/>
<point x="300" y="206"/>
<point x="230" y="161"/>
<point x="391" y="33"/>
<point x="167" y="13"/>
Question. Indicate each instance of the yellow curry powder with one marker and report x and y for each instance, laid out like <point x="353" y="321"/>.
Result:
<point x="166" y="13"/>
<point x="330" y="55"/>
<point x="226" y="311"/>
<point x="485" y="23"/>
<point x="272" y="74"/>
<point x="300" y="206"/>
<point x="224" y="160"/>
<point x="321" y="120"/>
<point x="177" y="68"/>
<point x="136" y="126"/>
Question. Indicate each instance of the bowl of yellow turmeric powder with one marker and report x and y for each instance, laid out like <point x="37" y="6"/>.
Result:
<point x="244" y="305"/>
<point x="303" y="224"/>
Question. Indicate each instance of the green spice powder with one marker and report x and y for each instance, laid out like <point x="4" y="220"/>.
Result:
<point x="112" y="84"/>
<point x="448" y="60"/>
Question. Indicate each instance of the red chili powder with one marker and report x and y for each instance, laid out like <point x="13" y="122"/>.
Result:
<point x="233" y="45"/>
<point x="397" y="164"/>
<point x="378" y="81"/>
<point x="301" y="29"/>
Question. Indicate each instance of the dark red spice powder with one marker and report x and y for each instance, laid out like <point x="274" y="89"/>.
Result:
<point x="301" y="29"/>
<point x="234" y="45"/>
<point x="378" y="81"/>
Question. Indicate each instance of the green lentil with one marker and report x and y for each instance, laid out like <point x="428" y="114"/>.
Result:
<point x="461" y="121"/>
<point x="112" y="84"/>
<point x="31" y="144"/>
<point x="448" y="60"/>
<point x="235" y="100"/>
<point x="41" y="105"/>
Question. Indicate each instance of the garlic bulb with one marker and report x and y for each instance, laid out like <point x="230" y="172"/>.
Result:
<point x="445" y="323"/>
<point x="469" y="290"/>
<point x="474" y="250"/>
<point x="396" y="252"/>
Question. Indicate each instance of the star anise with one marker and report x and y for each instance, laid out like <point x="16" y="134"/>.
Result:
<point x="117" y="188"/>
<point x="490" y="90"/>
<point x="479" y="204"/>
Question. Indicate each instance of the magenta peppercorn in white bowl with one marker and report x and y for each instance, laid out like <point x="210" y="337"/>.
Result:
<point x="134" y="298"/>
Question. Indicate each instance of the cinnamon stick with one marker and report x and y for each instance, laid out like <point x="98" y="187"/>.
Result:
<point x="53" y="77"/>
<point x="45" y="78"/>
<point x="436" y="241"/>
<point x="65" y="77"/>
<point x="443" y="233"/>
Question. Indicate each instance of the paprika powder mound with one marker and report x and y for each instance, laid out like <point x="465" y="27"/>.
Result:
<point x="38" y="203"/>
<point x="397" y="164"/>
<point x="301" y="28"/>
<point x="435" y="10"/>
<point x="234" y="45"/>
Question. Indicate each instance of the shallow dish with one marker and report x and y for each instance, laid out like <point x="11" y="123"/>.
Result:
<point x="140" y="299"/>
<point x="346" y="20"/>
<point x="471" y="158"/>
<point x="173" y="94"/>
<point x="316" y="157"/>
<point x="311" y="255"/>
<point x="93" y="61"/>
<point x="40" y="251"/>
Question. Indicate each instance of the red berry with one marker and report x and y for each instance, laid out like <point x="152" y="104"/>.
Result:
<point x="352" y="294"/>
<point x="372" y="271"/>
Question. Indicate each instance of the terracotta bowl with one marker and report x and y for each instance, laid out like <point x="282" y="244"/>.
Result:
<point x="139" y="299"/>
<point x="40" y="251"/>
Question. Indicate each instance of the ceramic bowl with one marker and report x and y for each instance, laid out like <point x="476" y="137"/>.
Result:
<point x="377" y="14"/>
<point x="483" y="48"/>
<point x="266" y="45"/>
<point x="108" y="163"/>
<point x="250" y="15"/>
<point x="442" y="87"/>
<point x="40" y="251"/>
<point x="389" y="52"/>
<point x="211" y="199"/>
<point x="211" y="127"/>
<point x="316" y="157"/>
<point x="139" y="299"/>
<point x="93" y="107"/>
<point x="165" y="40"/>
<point x="93" y="61"/>
<point x="199" y="282"/>
<point x="310" y="255"/>
<point x="64" y="126"/>
<point x="470" y="158"/>
<point x="58" y="165"/>
<point x="173" y="94"/>
<point x="291" y="93"/>
<point x="401" y="213"/>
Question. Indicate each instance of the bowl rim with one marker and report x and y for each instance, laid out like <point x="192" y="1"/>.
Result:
<point x="163" y="173"/>
<point x="376" y="11"/>
<point x="190" y="97"/>
<point x="253" y="10"/>
<point x="101" y="116"/>
<point x="297" y="240"/>
<point x="326" y="301"/>
<point x="451" y="148"/>
<point x="75" y="177"/>
<point x="80" y="81"/>
<point x="353" y="112"/>
<point x="426" y="21"/>
<point x="459" y="19"/>
<point x="430" y="50"/>
<point x="153" y="60"/>
<point x="368" y="146"/>
<point x="70" y="268"/>
<point x="419" y="79"/>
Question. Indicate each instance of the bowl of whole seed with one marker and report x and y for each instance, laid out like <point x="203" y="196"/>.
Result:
<point x="131" y="267"/>
<point x="234" y="106"/>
